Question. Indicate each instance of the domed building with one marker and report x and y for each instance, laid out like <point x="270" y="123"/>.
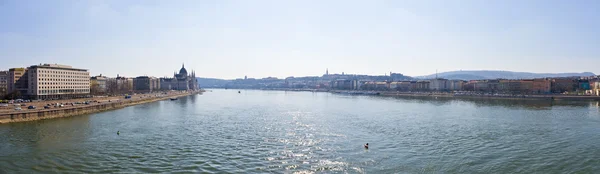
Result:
<point x="180" y="81"/>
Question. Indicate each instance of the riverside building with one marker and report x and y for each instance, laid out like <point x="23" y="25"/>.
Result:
<point x="3" y="83"/>
<point x="146" y="84"/>
<point x="54" y="81"/>
<point x="98" y="84"/>
<point x="180" y="81"/>
<point x="17" y="81"/>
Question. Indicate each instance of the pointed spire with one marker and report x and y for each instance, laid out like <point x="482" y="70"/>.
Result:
<point x="182" y="65"/>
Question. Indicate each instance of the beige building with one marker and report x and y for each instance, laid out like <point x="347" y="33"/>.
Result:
<point x="3" y="83"/>
<point x="54" y="81"/>
<point x="456" y="85"/>
<point x="17" y="81"/>
<point x="595" y="87"/>
<point x="98" y="84"/>
<point x="119" y="85"/>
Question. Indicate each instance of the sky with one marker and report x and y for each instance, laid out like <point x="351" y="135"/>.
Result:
<point x="261" y="38"/>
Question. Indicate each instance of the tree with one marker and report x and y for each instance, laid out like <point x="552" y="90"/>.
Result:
<point x="13" y="95"/>
<point x="95" y="88"/>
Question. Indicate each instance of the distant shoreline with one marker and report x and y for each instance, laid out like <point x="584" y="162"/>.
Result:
<point x="435" y="95"/>
<point x="518" y="97"/>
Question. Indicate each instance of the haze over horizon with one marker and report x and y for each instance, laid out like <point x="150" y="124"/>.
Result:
<point x="231" y="39"/>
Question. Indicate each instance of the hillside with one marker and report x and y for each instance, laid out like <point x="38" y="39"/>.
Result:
<point x="211" y="82"/>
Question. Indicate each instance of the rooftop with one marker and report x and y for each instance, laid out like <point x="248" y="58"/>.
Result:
<point x="56" y="66"/>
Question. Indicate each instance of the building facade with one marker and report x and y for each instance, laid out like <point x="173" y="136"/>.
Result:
<point x="541" y="86"/>
<point x="595" y="88"/>
<point x="146" y="84"/>
<point x="54" y="81"/>
<point x="481" y="85"/>
<point x="98" y="84"/>
<point x="343" y="84"/>
<point x="3" y="83"/>
<point x="456" y="85"/>
<point x="438" y="84"/>
<point x="17" y="81"/>
<point x="180" y="81"/>
<point x="119" y="85"/>
<point x="561" y="85"/>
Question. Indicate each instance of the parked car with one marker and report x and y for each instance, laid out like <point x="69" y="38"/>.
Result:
<point x="3" y="105"/>
<point x="46" y="107"/>
<point x="18" y="109"/>
<point x="31" y="107"/>
<point x="23" y="104"/>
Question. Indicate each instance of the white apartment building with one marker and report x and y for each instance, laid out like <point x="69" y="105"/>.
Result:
<point x="54" y="81"/>
<point x="438" y="84"/>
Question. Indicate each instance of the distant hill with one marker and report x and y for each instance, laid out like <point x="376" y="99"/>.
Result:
<point x="485" y="74"/>
<point x="211" y="82"/>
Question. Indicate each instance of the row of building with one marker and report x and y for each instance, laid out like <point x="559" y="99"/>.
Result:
<point x="54" y="81"/>
<point x="586" y="85"/>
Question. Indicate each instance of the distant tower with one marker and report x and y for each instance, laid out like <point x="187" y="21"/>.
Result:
<point x="327" y="71"/>
<point x="245" y="77"/>
<point x="342" y="73"/>
<point x="436" y="74"/>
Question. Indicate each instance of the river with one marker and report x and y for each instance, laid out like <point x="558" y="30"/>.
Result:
<point x="223" y="131"/>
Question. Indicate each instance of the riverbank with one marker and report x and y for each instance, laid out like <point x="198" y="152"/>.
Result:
<point x="499" y="97"/>
<point x="99" y="106"/>
<point x="444" y="95"/>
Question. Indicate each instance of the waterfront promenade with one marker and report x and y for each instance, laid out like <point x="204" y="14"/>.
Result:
<point x="69" y="108"/>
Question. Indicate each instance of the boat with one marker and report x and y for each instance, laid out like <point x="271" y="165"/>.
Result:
<point x="173" y="98"/>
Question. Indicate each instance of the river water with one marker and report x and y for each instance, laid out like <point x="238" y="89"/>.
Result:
<point x="223" y="131"/>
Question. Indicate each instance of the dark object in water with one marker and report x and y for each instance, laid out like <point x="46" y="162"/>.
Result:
<point x="239" y="92"/>
<point x="367" y="146"/>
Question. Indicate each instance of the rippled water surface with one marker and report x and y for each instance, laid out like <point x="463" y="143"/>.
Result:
<point x="287" y="132"/>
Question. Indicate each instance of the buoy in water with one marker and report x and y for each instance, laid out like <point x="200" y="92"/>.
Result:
<point x="118" y="133"/>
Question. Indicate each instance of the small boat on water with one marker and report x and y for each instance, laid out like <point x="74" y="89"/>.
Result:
<point x="173" y="98"/>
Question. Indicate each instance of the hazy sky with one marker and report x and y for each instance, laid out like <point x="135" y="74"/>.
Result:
<point x="230" y="39"/>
